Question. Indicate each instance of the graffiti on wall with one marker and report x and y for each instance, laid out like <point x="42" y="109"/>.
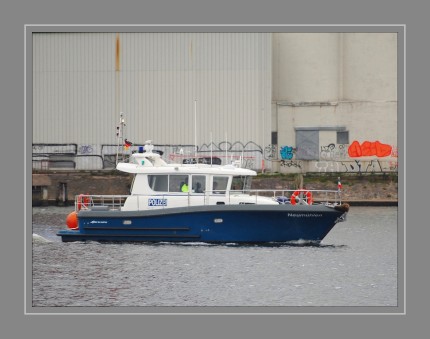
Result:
<point x="270" y="152"/>
<point x="327" y="166"/>
<point x="333" y="157"/>
<point x="236" y="146"/>
<point x="333" y="152"/>
<point x="85" y="149"/>
<point x="248" y="154"/>
<point x="362" y="166"/>
<point x="368" y="148"/>
<point x="291" y="163"/>
<point x="45" y="156"/>
<point x="329" y="152"/>
<point x="85" y="156"/>
<point x="287" y="152"/>
<point x="356" y="166"/>
<point x="340" y="158"/>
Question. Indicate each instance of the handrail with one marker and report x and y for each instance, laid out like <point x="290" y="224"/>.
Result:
<point x="116" y="202"/>
<point x="318" y="195"/>
<point x="87" y="201"/>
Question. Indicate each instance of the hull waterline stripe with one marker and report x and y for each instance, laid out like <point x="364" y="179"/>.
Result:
<point x="138" y="228"/>
<point x="129" y="235"/>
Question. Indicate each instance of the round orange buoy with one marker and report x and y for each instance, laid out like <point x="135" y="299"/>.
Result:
<point x="306" y="194"/>
<point x="72" y="220"/>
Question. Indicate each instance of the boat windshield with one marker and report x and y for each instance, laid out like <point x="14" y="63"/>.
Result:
<point x="241" y="183"/>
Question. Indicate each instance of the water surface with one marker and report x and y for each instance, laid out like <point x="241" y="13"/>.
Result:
<point x="355" y="265"/>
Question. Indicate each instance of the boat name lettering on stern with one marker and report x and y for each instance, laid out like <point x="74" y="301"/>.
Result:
<point x="157" y="202"/>
<point x="98" y="222"/>
<point x="305" y="215"/>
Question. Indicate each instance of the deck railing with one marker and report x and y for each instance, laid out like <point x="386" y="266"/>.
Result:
<point x="101" y="202"/>
<point x="283" y="196"/>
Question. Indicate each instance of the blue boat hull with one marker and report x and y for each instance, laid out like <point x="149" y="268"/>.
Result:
<point x="212" y="224"/>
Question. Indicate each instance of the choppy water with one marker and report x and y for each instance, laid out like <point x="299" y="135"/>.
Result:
<point x="355" y="265"/>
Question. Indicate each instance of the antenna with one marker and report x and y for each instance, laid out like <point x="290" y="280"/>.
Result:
<point x="119" y="134"/>
<point x="241" y="158"/>
<point x="211" y="147"/>
<point x="263" y="169"/>
<point x="226" y="153"/>
<point x="195" y="129"/>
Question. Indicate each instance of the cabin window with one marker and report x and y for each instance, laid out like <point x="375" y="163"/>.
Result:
<point x="178" y="183"/>
<point x="170" y="183"/>
<point x="198" y="183"/>
<point x="219" y="184"/>
<point x="158" y="183"/>
<point x="241" y="183"/>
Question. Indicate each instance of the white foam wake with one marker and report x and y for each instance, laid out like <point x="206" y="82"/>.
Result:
<point x="39" y="238"/>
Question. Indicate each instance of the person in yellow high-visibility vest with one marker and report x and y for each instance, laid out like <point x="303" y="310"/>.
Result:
<point x="184" y="187"/>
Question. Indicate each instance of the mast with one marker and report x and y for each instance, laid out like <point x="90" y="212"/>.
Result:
<point x="211" y="148"/>
<point x="226" y="152"/>
<point x="195" y="129"/>
<point x="119" y="135"/>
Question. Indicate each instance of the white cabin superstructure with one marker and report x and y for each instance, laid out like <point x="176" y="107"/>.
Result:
<point x="159" y="185"/>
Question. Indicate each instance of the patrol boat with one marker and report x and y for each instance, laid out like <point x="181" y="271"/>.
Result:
<point x="201" y="202"/>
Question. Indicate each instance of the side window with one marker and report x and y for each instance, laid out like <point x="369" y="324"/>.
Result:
<point x="241" y="183"/>
<point x="198" y="183"/>
<point x="158" y="183"/>
<point x="178" y="183"/>
<point x="219" y="184"/>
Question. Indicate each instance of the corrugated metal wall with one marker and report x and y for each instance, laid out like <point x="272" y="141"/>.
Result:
<point x="83" y="80"/>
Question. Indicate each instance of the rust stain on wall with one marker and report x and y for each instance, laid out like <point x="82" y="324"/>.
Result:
<point x="117" y="53"/>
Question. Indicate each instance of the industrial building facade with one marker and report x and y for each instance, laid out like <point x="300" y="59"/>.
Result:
<point x="280" y="102"/>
